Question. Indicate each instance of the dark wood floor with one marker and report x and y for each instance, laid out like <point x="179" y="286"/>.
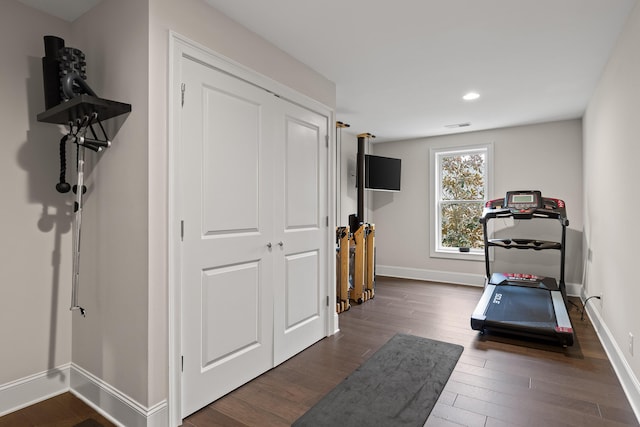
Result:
<point x="499" y="381"/>
<point x="65" y="410"/>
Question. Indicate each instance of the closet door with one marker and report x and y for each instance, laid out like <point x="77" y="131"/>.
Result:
<point x="226" y="203"/>
<point x="300" y="259"/>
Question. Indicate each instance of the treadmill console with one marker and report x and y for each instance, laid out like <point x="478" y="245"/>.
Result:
<point x="522" y="201"/>
<point x="526" y="204"/>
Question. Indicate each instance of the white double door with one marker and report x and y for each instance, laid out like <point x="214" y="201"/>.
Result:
<point x="253" y="198"/>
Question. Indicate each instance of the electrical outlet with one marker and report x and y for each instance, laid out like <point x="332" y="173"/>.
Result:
<point x="630" y="343"/>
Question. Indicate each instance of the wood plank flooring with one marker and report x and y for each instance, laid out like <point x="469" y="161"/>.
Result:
<point x="65" y="410"/>
<point x="499" y="381"/>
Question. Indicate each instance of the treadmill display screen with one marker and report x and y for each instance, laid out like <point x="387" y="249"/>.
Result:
<point x="522" y="198"/>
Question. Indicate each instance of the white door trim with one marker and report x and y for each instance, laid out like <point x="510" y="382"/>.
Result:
<point x="179" y="47"/>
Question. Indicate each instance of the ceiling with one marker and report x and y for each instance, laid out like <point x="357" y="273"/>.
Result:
<point x="69" y="10"/>
<point x="401" y="67"/>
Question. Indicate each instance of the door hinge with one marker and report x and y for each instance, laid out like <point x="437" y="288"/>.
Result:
<point x="327" y="220"/>
<point x="183" y="87"/>
<point x="327" y="300"/>
<point x="182" y="230"/>
<point x="182" y="362"/>
<point x="326" y="140"/>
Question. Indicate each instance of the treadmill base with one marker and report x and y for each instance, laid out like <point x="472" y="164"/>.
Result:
<point x="524" y="311"/>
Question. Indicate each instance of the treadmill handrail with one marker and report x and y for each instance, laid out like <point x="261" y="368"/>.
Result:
<point x="519" y="243"/>
<point x="490" y="213"/>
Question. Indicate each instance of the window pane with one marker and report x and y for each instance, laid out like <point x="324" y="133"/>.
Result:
<point x="460" y="225"/>
<point x="463" y="176"/>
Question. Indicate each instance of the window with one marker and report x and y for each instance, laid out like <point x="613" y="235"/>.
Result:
<point x="461" y="189"/>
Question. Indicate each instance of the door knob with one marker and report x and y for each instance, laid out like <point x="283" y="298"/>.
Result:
<point x="280" y="244"/>
<point x="269" y="245"/>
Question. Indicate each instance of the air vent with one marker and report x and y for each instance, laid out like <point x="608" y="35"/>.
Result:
<point x="458" y="125"/>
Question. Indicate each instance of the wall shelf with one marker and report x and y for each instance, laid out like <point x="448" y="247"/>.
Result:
<point x="81" y="106"/>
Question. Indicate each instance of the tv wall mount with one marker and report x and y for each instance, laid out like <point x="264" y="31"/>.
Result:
<point x="71" y="102"/>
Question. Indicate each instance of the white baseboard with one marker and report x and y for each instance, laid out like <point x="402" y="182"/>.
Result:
<point x="430" y="275"/>
<point x="115" y="405"/>
<point x="111" y="403"/>
<point x="626" y="376"/>
<point x="573" y="289"/>
<point x="35" y="388"/>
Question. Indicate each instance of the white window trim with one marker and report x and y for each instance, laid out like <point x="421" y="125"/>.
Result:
<point x="434" y="175"/>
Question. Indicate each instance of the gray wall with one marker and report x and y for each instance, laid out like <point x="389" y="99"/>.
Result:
<point x="546" y="157"/>
<point x="111" y="342"/>
<point x="611" y="205"/>
<point x="35" y="249"/>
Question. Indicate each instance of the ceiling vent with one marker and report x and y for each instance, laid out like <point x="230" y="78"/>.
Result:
<point x="458" y="125"/>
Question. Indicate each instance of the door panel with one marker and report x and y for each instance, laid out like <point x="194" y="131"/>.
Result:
<point x="302" y="148"/>
<point x="300" y="169"/>
<point x="231" y="160"/>
<point x="301" y="289"/>
<point x="219" y="311"/>
<point x="226" y="205"/>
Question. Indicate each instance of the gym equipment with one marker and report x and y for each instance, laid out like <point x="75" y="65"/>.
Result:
<point x="524" y="304"/>
<point x="364" y="263"/>
<point x="369" y="248"/>
<point x="357" y="293"/>
<point x="343" y="250"/>
<point x="363" y="236"/>
<point x="342" y="282"/>
<point x="70" y="101"/>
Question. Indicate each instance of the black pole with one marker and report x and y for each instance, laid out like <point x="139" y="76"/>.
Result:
<point x="487" y="267"/>
<point x="360" y="179"/>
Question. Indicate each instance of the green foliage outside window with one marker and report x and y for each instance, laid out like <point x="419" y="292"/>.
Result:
<point x="462" y="199"/>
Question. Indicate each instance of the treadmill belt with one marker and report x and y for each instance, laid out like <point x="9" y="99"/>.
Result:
<point x="521" y="305"/>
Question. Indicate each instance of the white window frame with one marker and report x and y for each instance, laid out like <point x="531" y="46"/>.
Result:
<point x="435" y="153"/>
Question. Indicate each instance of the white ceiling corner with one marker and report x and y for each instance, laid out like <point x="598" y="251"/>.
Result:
<point x="69" y="10"/>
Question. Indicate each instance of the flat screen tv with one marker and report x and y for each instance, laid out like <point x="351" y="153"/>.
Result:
<point x="381" y="173"/>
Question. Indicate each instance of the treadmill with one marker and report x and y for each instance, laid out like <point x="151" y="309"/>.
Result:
<point x="524" y="304"/>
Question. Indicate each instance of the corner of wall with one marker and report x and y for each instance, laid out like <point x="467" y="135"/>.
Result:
<point x="113" y="404"/>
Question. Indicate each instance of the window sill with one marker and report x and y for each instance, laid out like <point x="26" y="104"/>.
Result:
<point x="461" y="256"/>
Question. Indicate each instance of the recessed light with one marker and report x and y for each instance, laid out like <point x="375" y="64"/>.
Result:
<point x="471" y="96"/>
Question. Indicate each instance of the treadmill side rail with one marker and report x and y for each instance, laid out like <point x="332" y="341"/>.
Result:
<point x="478" y="317"/>
<point x="564" y="328"/>
<point x="562" y="316"/>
